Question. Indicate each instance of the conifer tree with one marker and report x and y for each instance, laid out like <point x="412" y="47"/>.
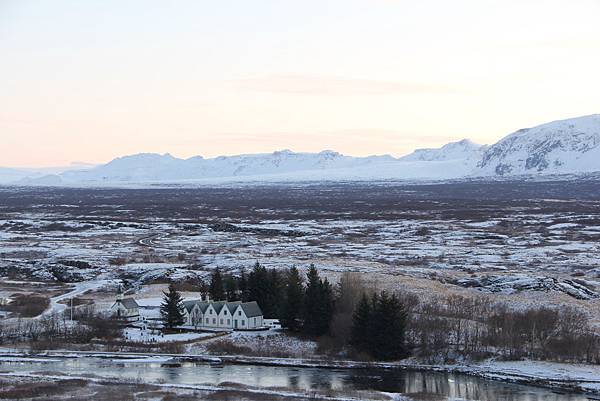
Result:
<point x="360" y="325"/>
<point x="395" y="329"/>
<point x="243" y="286"/>
<point x="379" y="327"/>
<point x="274" y="294"/>
<point x="294" y="299"/>
<point x="312" y="297"/>
<point x="171" y="309"/>
<point x="258" y="288"/>
<point x="217" y="291"/>
<point x="318" y="304"/>
<point x="231" y="290"/>
<point x="327" y="307"/>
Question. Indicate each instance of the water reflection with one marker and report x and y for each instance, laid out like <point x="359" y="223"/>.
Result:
<point x="426" y="386"/>
<point x="434" y="386"/>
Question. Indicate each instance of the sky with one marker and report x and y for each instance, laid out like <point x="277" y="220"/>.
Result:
<point x="87" y="81"/>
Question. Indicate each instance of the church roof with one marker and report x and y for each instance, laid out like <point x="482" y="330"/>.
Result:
<point x="129" y="303"/>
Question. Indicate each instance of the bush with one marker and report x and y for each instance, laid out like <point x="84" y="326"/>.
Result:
<point x="27" y="305"/>
<point x="227" y="347"/>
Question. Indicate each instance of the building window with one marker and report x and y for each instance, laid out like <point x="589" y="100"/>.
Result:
<point x="214" y="320"/>
<point x="221" y="321"/>
<point x="239" y="313"/>
<point x="243" y="322"/>
<point x="228" y="321"/>
<point x="206" y="320"/>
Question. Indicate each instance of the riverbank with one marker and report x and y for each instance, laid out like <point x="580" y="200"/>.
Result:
<point x="570" y="378"/>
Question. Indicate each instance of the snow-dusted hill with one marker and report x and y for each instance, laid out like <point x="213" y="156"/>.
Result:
<point x="568" y="146"/>
<point x="465" y="149"/>
<point x="160" y="168"/>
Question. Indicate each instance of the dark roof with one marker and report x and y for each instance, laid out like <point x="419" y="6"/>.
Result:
<point x="188" y="305"/>
<point x="203" y="305"/>
<point x="251" y="309"/>
<point x="129" y="303"/>
<point x="218" y="306"/>
<point x="232" y="306"/>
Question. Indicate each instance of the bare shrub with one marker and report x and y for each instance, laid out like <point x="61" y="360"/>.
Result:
<point x="27" y="305"/>
<point x="227" y="347"/>
<point x="117" y="261"/>
<point x="446" y="327"/>
<point x="40" y="389"/>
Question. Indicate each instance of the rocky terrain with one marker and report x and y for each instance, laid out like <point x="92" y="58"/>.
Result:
<point x="528" y="242"/>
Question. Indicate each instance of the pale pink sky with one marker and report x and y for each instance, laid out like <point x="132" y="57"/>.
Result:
<point x="89" y="81"/>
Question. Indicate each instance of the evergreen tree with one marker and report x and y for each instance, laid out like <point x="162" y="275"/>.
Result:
<point x="258" y="288"/>
<point x="217" y="291"/>
<point x="274" y="294"/>
<point x="327" y="307"/>
<point x="243" y="286"/>
<point x="359" y="337"/>
<point x="312" y="301"/>
<point x="171" y="309"/>
<point x="379" y="327"/>
<point x="394" y="342"/>
<point x="294" y="299"/>
<point x="231" y="290"/>
<point x="318" y="304"/>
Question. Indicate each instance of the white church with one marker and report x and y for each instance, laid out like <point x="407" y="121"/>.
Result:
<point x="126" y="309"/>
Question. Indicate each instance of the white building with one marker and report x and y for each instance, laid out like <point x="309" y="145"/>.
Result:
<point x="223" y="315"/>
<point x="126" y="308"/>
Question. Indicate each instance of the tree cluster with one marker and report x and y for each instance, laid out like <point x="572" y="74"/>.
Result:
<point x="444" y="328"/>
<point x="281" y="295"/>
<point x="265" y="286"/>
<point x="378" y="327"/>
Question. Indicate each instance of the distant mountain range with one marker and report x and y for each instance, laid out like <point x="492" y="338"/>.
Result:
<point x="561" y="147"/>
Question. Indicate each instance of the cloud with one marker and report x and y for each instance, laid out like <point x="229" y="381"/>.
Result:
<point x="331" y="85"/>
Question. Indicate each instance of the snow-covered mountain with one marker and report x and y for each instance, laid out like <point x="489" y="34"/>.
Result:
<point x="465" y="149"/>
<point x="11" y="175"/>
<point x="147" y="167"/>
<point x="568" y="146"/>
<point x="14" y="175"/>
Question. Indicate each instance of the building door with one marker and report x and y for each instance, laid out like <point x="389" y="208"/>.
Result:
<point x="236" y="324"/>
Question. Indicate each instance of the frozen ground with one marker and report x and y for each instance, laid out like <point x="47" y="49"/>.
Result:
<point x="146" y="335"/>
<point x="588" y="376"/>
<point x="527" y="242"/>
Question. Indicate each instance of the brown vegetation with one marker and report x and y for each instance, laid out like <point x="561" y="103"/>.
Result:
<point x="27" y="305"/>
<point x="475" y="327"/>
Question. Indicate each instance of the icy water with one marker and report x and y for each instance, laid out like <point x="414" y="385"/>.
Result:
<point x="416" y="385"/>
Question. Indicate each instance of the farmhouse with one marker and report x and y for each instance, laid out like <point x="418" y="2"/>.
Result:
<point x="126" y="308"/>
<point x="223" y="315"/>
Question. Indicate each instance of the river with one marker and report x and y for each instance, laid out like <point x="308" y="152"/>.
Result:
<point x="415" y="384"/>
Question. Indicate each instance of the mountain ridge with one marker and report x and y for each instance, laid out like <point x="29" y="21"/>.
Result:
<point x="570" y="146"/>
